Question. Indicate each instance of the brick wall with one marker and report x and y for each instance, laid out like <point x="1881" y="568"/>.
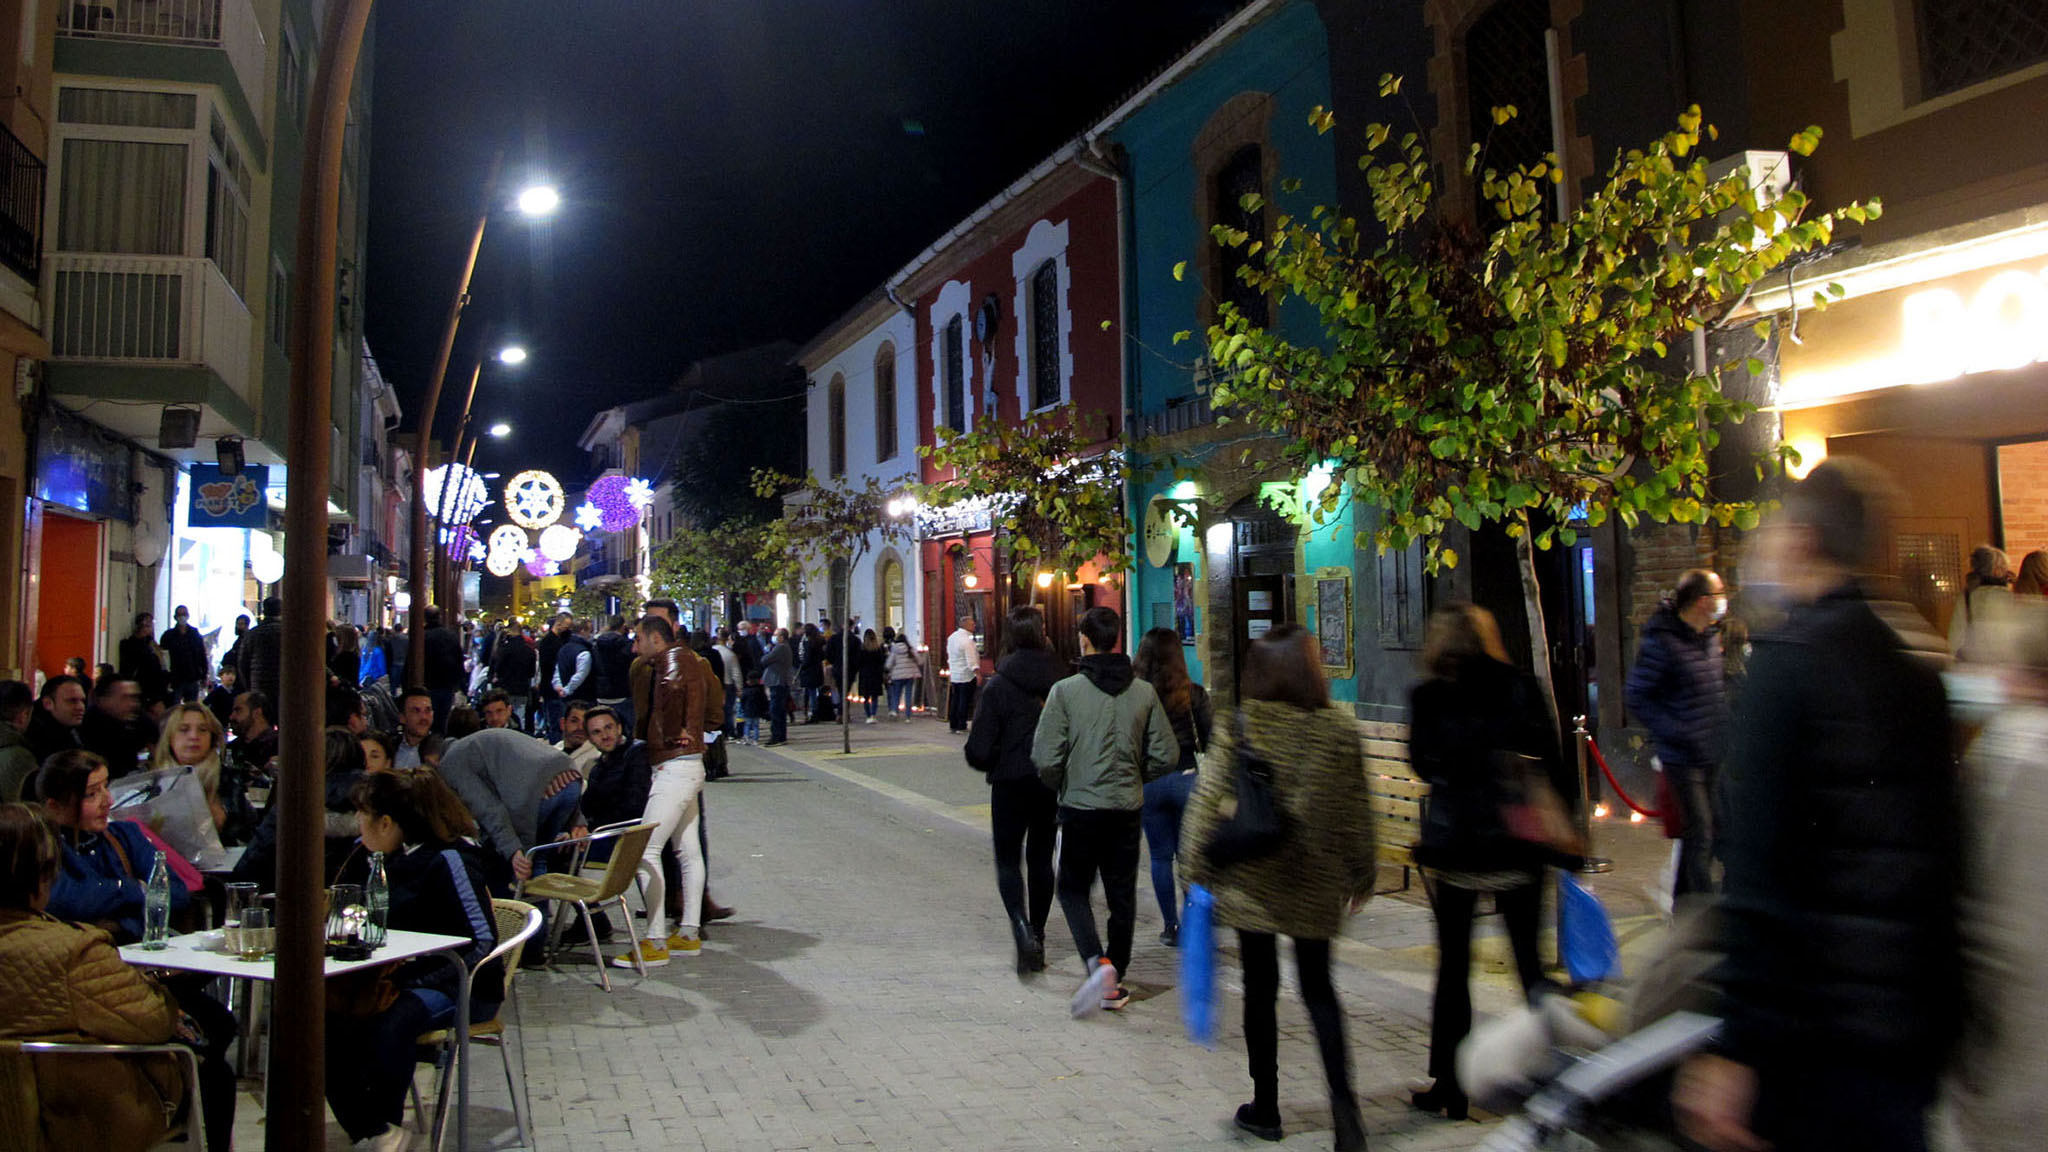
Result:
<point x="2023" y="497"/>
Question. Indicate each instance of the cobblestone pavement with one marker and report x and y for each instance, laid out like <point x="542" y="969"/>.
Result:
<point x="864" y="997"/>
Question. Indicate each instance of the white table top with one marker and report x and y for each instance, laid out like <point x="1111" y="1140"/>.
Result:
<point x="200" y="952"/>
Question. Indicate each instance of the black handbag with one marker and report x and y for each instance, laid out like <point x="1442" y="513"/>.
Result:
<point x="1255" y="827"/>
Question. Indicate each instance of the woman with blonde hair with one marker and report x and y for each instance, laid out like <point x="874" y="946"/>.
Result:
<point x="193" y="738"/>
<point x="1474" y="713"/>
<point x="2033" y="577"/>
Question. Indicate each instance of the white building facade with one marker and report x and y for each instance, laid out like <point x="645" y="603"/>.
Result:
<point x="861" y="418"/>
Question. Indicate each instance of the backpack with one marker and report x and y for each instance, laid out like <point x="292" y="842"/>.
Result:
<point x="713" y="716"/>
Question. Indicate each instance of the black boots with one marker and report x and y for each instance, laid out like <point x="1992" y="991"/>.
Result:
<point x="1030" y="947"/>
<point x="1445" y="1097"/>
<point x="1349" y="1125"/>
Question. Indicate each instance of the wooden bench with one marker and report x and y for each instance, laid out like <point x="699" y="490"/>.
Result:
<point x="1397" y="795"/>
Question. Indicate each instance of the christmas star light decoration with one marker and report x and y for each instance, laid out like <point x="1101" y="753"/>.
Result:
<point x="558" y="541"/>
<point x="502" y="563"/>
<point x="509" y="538"/>
<point x="534" y="499"/>
<point x="639" y="493"/>
<point x="619" y="500"/>
<point x="589" y="516"/>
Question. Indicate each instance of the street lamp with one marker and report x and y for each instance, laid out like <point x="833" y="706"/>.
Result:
<point x="539" y="200"/>
<point x="501" y="430"/>
<point x="512" y="354"/>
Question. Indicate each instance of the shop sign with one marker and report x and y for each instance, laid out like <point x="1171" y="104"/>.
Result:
<point x="228" y="501"/>
<point x="966" y="516"/>
<point x="79" y="466"/>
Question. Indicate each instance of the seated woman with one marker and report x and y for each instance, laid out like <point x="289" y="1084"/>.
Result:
<point x="434" y="888"/>
<point x="258" y="864"/>
<point x="192" y="738"/>
<point x="66" y="982"/>
<point x="106" y="863"/>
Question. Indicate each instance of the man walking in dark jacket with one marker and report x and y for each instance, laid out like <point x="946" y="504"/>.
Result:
<point x="513" y="668"/>
<point x="611" y="671"/>
<point x="1676" y="689"/>
<point x="444" y="666"/>
<point x="1842" y="843"/>
<point x="186" y="649"/>
<point x="260" y="659"/>
<point x="1023" y="812"/>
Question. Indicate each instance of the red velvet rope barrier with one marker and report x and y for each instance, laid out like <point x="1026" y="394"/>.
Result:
<point x="1648" y="813"/>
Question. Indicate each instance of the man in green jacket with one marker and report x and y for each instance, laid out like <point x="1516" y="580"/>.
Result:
<point x="1102" y="735"/>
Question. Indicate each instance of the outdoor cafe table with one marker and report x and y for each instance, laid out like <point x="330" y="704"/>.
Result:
<point x="200" y="952"/>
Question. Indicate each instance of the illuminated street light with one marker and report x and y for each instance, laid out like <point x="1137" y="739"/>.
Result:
<point x="512" y="354"/>
<point x="501" y="430"/>
<point x="539" y="200"/>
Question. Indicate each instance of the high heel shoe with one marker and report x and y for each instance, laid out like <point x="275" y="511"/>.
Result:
<point x="1445" y="1098"/>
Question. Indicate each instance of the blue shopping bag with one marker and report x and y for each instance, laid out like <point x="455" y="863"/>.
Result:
<point x="1198" y="966"/>
<point x="1585" y="935"/>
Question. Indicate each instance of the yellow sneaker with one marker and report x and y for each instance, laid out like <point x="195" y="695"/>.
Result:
<point x="687" y="945"/>
<point x="651" y="955"/>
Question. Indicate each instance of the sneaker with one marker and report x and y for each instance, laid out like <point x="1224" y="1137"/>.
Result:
<point x="652" y="955"/>
<point x="1089" y="998"/>
<point x="1170" y="937"/>
<point x="1117" y="998"/>
<point x="686" y="945"/>
<point x="773" y="743"/>
<point x="396" y="1138"/>
<point x="869" y="720"/>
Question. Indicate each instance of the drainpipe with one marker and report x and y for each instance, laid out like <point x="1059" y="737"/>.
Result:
<point x="1094" y="158"/>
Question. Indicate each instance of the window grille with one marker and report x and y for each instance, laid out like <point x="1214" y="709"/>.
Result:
<point x="1508" y="64"/>
<point x="1243" y="174"/>
<point x="1966" y="42"/>
<point x="1045" y="335"/>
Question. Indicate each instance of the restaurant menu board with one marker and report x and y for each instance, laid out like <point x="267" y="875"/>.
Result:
<point x="1333" y="618"/>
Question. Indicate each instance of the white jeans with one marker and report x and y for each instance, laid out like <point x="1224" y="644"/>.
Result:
<point x="672" y="808"/>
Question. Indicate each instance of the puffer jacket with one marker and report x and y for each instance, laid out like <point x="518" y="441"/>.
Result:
<point x="1678" y="691"/>
<point x="1319" y="783"/>
<point x="63" y="982"/>
<point x="1459" y="727"/>
<point x="1103" y="734"/>
<point x="903" y="661"/>
<point x="675" y="712"/>
<point x="1842" y="840"/>
<point x="617" y="785"/>
<point x="999" y="742"/>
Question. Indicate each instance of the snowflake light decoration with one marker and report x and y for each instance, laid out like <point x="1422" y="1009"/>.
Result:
<point x="534" y="499"/>
<point x="502" y="563"/>
<point x="558" y="541"/>
<point x="458" y="539"/>
<point x="589" y="517"/>
<point x="508" y="538"/>
<point x="460" y="503"/>
<point x="477" y="552"/>
<point x="620" y="500"/>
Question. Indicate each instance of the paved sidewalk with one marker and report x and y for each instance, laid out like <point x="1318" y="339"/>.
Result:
<point x="864" y="997"/>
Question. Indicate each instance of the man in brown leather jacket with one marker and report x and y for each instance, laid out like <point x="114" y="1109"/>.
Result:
<point x="641" y="677"/>
<point x="675" y="753"/>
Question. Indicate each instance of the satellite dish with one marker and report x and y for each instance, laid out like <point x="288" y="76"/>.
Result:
<point x="1162" y="535"/>
<point x="152" y="532"/>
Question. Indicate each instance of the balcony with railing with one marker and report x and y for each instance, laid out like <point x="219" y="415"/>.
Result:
<point x="171" y="311"/>
<point x="22" y="174"/>
<point x="226" y="25"/>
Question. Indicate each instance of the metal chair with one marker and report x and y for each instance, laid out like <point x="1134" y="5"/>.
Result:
<point x="627" y="846"/>
<point x="516" y="923"/>
<point x="19" y="1126"/>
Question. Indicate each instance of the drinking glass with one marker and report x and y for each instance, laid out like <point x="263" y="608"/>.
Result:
<point x="254" y="938"/>
<point x="346" y="914"/>
<point x="240" y="898"/>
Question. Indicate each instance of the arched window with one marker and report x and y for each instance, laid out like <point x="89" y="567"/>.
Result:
<point x="1506" y="64"/>
<point x="891" y="593"/>
<point x="1243" y="174"/>
<point x="1045" y="335"/>
<point x="836" y="435"/>
<point x="955" y="369"/>
<point x="885" y="403"/>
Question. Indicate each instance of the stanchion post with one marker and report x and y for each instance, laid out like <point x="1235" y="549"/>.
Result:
<point x="1582" y="741"/>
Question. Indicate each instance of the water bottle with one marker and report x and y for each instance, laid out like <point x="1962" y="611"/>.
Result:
<point x="377" y="898"/>
<point x="156" y="906"/>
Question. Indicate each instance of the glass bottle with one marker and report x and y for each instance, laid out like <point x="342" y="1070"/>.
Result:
<point x="156" y="906"/>
<point x="377" y="898"/>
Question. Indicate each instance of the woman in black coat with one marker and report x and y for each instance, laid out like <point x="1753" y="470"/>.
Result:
<point x="1022" y="810"/>
<point x="871" y="676"/>
<point x="1470" y="720"/>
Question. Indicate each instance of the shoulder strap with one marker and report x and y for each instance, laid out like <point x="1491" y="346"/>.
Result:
<point x="114" y="842"/>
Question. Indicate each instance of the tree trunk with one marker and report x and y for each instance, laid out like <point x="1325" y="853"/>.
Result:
<point x="1532" y="606"/>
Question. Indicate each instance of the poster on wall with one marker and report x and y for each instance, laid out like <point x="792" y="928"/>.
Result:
<point x="1333" y="620"/>
<point x="1184" y="601"/>
<point x="228" y="501"/>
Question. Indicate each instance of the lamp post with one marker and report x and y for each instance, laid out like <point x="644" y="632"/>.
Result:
<point x="448" y="569"/>
<point x="535" y="201"/>
<point x="297" y="1104"/>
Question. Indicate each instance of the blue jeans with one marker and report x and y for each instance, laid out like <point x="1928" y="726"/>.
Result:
<point x="901" y="695"/>
<point x="1165" y="800"/>
<point x="557" y="815"/>
<point x="778" y="713"/>
<point x="551" y="729"/>
<point x="444" y="702"/>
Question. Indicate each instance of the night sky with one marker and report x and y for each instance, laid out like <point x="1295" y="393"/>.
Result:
<point x="733" y="171"/>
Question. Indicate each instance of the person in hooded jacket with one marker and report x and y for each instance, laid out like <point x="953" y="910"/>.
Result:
<point x="1679" y="692"/>
<point x="1102" y="736"/>
<point x="1023" y="812"/>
